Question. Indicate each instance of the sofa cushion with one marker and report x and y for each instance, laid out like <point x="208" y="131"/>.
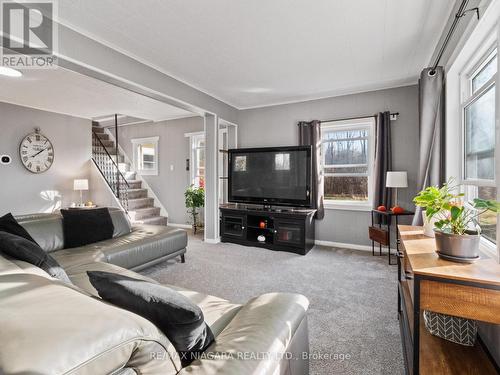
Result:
<point x="218" y="312"/>
<point x="144" y="244"/>
<point x="10" y="225"/>
<point x="46" y="230"/>
<point x="179" y="318"/>
<point x="22" y="249"/>
<point x="83" y="227"/>
<point x="48" y="328"/>
<point x="121" y="222"/>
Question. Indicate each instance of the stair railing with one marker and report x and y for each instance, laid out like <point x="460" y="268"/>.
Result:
<point x="108" y="167"/>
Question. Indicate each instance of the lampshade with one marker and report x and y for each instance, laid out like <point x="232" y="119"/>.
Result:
<point x="81" y="184"/>
<point x="396" y="180"/>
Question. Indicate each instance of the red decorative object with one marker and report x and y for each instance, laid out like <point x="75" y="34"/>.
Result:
<point x="262" y="224"/>
<point x="397" y="210"/>
<point x="381" y="208"/>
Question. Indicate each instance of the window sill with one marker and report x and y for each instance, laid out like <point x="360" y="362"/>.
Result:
<point x="347" y="206"/>
<point x="487" y="248"/>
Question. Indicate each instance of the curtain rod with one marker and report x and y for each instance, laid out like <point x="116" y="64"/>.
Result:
<point x="462" y="11"/>
<point x="358" y="117"/>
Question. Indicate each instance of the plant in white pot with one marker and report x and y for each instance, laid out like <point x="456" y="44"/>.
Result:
<point x="456" y="225"/>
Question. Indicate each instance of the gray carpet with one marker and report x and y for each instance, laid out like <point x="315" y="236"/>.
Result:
<point x="352" y="297"/>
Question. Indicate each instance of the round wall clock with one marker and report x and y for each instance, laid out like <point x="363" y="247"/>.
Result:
<point x="37" y="153"/>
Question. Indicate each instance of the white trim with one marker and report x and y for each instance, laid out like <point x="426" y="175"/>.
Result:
<point x="346" y="206"/>
<point x="194" y="134"/>
<point x="147" y="139"/>
<point x="342" y="245"/>
<point x="183" y="226"/>
<point x="212" y="241"/>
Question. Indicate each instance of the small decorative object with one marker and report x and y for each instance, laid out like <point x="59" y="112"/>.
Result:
<point x="72" y="205"/>
<point x="428" y="225"/>
<point x="396" y="180"/>
<point x="382" y="208"/>
<point x="194" y="199"/>
<point x="458" y="330"/>
<point x="457" y="230"/>
<point x="262" y="224"/>
<point x="36" y="152"/>
<point x="81" y="185"/>
<point x="397" y="210"/>
<point x="89" y="204"/>
<point x="261" y="238"/>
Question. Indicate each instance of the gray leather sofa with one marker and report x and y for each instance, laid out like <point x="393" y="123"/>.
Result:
<point x="132" y="247"/>
<point x="48" y="327"/>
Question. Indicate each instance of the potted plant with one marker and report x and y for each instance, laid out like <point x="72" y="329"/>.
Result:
<point x="195" y="199"/>
<point x="456" y="225"/>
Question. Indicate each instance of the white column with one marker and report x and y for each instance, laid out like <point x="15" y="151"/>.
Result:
<point x="211" y="179"/>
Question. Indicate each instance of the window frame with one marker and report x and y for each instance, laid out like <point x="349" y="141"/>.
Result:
<point x="136" y="142"/>
<point x="363" y="123"/>
<point x="467" y="97"/>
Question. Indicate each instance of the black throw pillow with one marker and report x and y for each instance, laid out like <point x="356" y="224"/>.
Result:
<point x="82" y="227"/>
<point x="22" y="249"/>
<point x="174" y="314"/>
<point x="10" y="225"/>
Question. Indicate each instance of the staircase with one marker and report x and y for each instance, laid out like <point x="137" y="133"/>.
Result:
<point x="129" y="190"/>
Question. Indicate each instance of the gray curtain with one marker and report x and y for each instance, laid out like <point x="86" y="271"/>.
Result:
<point x="431" y="117"/>
<point x="310" y="134"/>
<point x="383" y="160"/>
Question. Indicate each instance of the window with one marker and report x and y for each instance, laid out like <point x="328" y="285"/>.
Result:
<point x="146" y="155"/>
<point x="347" y="158"/>
<point x="478" y="146"/>
<point x="197" y="158"/>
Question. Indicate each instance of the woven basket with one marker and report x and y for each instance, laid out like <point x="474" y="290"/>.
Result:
<point x="458" y="330"/>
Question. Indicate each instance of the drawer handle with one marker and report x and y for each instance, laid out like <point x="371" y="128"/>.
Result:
<point x="400" y="254"/>
<point x="407" y="277"/>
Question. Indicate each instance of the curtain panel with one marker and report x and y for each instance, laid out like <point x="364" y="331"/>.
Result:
<point x="310" y="134"/>
<point x="431" y="170"/>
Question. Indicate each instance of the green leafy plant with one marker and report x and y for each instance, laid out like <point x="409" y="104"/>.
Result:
<point x="453" y="215"/>
<point x="194" y="199"/>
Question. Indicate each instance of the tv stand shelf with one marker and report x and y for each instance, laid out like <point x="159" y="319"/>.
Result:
<point x="283" y="229"/>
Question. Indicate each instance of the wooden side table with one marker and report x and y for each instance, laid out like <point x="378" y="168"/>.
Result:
<point x="427" y="282"/>
<point x="381" y="234"/>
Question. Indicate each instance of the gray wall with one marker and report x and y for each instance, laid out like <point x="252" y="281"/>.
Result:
<point x="276" y="126"/>
<point x="169" y="186"/>
<point x="24" y="192"/>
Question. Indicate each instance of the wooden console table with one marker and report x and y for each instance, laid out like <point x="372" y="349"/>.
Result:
<point x="426" y="282"/>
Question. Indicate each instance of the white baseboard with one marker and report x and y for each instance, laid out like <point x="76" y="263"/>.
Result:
<point x="212" y="240"/>
<point x="183" y="226"/>
<point x="343" y="245"/>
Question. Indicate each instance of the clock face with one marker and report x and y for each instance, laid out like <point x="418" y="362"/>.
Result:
<point x="37" y="153"/>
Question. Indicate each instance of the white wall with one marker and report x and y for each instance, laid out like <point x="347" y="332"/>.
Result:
<point x="24" y="192"/>
<point x="277" y="126"/>
<point x="173" y="150"/>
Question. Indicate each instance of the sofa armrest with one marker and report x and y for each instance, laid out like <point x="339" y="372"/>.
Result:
<point x="259" y="338"/>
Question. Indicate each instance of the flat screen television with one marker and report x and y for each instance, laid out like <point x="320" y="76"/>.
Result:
<point x="270" y="176"/>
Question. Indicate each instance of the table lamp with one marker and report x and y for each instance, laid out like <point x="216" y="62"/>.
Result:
<point x="396" y="180"/>
<point x="81" y="185"/>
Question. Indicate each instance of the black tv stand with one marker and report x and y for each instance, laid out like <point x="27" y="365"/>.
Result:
<point x="286" y="229"/>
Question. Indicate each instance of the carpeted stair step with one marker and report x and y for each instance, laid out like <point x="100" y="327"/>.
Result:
<point x="97" y="130"/>
<point x="137" y="193"/>
<point x="145" y="213"/>
<point x="108" y="143"/>
<point x="157" y="220"/>
<point x="134" y="184"/>
<point x="103" y="136"/>
<point x="134" y="204"/>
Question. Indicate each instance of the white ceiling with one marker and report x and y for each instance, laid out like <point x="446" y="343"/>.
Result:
<point x="252" y="53"/>
<point x="63" y="91"/>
